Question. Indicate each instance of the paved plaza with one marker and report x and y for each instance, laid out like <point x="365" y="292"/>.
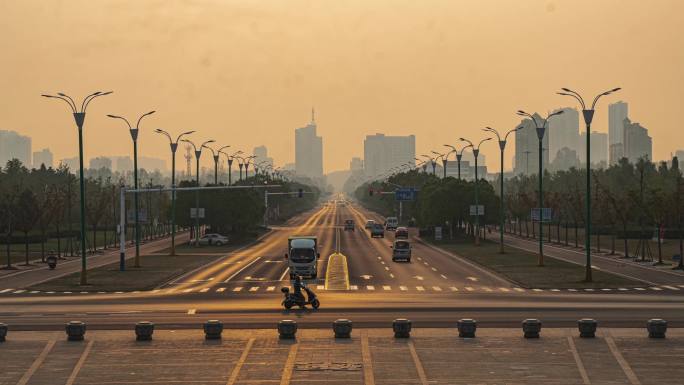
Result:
<point x="371" y="356"/>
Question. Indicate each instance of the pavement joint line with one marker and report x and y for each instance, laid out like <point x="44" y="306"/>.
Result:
<point x="79" y="364"/>
<point x="578" y="361"/>
<point x="243" y="357"/>
<point x="289" y="364"/>
<point x="419" y="365"/>
<point x="37" y="363"/>
<point x="368" y="378"/>
<point x="631" y="376"/>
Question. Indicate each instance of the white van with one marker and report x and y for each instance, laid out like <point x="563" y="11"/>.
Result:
<point x="391" y="223"/>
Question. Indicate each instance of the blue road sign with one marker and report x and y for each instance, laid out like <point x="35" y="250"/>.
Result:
<point x="546" y="214"/>
<point x="405" y="194"/>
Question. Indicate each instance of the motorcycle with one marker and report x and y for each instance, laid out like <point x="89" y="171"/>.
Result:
<point x="293" y="299"/>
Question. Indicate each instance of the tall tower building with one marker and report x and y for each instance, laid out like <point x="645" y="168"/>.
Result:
<point x="617" y="113"/>
<point x="261" y="155"/>
<point x="380" y="152"/>
<point x="637" y="143"/>
<point x="563" y="132"/>
<point x="309" y="150"/>
<point x="14" y="146"/>
<point x="42" y="157"/>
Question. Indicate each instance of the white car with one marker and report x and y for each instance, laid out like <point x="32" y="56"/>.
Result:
<point x="212" y="240"/>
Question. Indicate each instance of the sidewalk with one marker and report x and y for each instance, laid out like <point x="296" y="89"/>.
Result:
<point x="21" y="279"/>
<point x="370" y="356"/>
<point x="619" y="266"/>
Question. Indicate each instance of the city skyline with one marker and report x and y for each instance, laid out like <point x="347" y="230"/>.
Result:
<point x="429" y="79"/>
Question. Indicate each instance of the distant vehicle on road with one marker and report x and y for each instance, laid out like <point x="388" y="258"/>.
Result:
<point x="302" y="256"/>
<point x="349" y="225"/>
<point x="401" y="233"/>
<point x="212" y="240"/>
<point x="401" y="251"/>
<point x="369" y="224"/>
<point x="377" y="231"/>
<point x="391" y="223"/>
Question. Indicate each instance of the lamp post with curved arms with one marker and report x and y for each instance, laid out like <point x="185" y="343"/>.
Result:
<point x="215" y="157"/>
<point x="443" y="157"/>
<point x="476" y="152"/>
<point x="588" y="114"/>
<point x="248" y="160"/>
<point x="502" y="146"/>
<point x="459" y="156"/>
<point x="541" y="130"/>
<point x="79" y="117"/>
<point x="134" y="135"/>
<point x="174" y="147"/>
<point x="230" y="164"/>
<point x="198" y="153"/>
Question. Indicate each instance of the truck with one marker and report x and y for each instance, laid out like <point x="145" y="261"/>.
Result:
<point x="302" y="256"/>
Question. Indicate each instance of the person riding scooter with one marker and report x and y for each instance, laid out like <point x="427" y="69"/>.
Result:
<point x="297" y="297"/>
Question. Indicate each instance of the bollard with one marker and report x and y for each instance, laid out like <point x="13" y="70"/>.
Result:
<point x="213" y="329"/>
<point x="402" y="328"/>
<point x="144" y="331"/>
<point x="287" y="329"/>
<point x="3" y="332"/>
<point x="531" y="327"/>
<point x="466" y="328"/>
<point x="587" y="327"/>
<point x="342" y="328"/>
<point x="75" y="330"/>
<point x="656" y="328"/>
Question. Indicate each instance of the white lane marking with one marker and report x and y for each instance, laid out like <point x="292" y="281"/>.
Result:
<point x="354" y="287"/>
<point x="386" y="268"/>
<point x="572" y="289"/>
<point x="403" y="288"/>
<point x="472" y="279"/>
<point x="622" y="289"/>
<point x="220" y="289"/>
<point x="270" y="288"/>
<point x="243" y="268"/>
<point x="19" y="291"/>
<point x="555" y="289"/>
<point x="68" y="292"/>
<point x="5" y="290"/>
<point x="366" y="277"/>
<point x="426" y="264"/>
<point x="418" y="277"/>
<point x="433" y="269"/>
<point x="504" y="289"/>
<point x="239" y="288"/>
<point x="443" y="276"/>
<point x="50" y="292"/>
<point x="655" y="288"/>
<point x="34" y="291"/>
<point x="385" y="287"/>
<point x="671" y="288"/>
<point x="469" y="288"/>
<point x="588" y="289"/>
<point x="606" y="289"/>
<point x="391" y="275"/>
<point x="383" y="262"/>
<point x="370" y="287"/>
<point x="380" y="258"/>
<point x="420" y="288"/>
<point x="284" y="274"/>
<point x="320" y="287"/>
<point x="639" y="289"/>
<point x="537" y="290"/>
<point x="420" y="259"/>
<point x="485" y="288"/>
<point x="453" y="288"/>
<point x="254" y="288"/>
<point x="187" y="290"/>
<point x="192" y="311"/>
<point x="436" y="288"/>
<point x="518" y="289"/>
<point x="206" y="289"/>
<point x="682" y="286"/>
<point x="154" y="291"/>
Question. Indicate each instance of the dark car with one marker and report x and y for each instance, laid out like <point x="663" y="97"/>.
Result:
<point x="401" y="233"/>
<point x="377" y="231"/>
<point x="349" y="225"/>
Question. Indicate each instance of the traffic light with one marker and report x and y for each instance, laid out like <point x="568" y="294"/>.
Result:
<point x="300" y="193"/>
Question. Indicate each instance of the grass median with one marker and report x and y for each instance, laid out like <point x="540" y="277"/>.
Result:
<point x="156" y="269"/>
<point x="521" y="267"/>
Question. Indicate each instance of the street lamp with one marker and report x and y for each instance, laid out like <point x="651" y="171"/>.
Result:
<point x="502" y="146"/>
<point x="476" y="152"/>
<point x="79" y="117"/>
<point x="588" y="115"/>
<point x="247" y="161"/>
<point x="174" y="147"/>
<point x="198" y="153"/>
<point x="134" y="135"/>
<point x="459" y="156"/>
<point x="541" y="130"/>
<point x="443" y="157"/>
<point x="230" y="164"/>
<point x="215" y="156"/>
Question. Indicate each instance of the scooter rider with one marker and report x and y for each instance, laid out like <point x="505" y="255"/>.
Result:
<point x="298" y="286"/>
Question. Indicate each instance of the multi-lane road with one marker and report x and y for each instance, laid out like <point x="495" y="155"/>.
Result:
<point x="361" y="283"/>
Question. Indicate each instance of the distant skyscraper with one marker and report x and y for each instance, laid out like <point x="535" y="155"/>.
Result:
<point x="617" y="113"/>
<point x="71" y="163"/>
<point x="309" y="150"/>
<point x="261" y="154"/>
<point x="380" y="152"/>
<point x="123" y="164"/>
<point x="637" y="143"/>
<point x="41" y="157"/>
<point x="563" y="132"/>
<point x="14" y="146"/>
<point x="356" y="164"/>
<point x="599" y="148"/>
<point x="527" y="148"/>
<point x="100" y="162"/>
<point x="152" y="164"/>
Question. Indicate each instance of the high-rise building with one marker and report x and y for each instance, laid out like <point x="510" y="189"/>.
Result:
<point x="599" y="149"/>
<point x="617" y="113"/>
<point x="72" y="163"/>
<point x="152" y="164"/>
<point x="261" y="155"/>
<point x="309" y="150"/>
<point x="14" y="146"/>
<point x="123" y="164"/>
<point x="380" y="153"/>
<point x="565" y="159"/>
<point x="527" y="147"/>
<point x="563" y="132"/>
<point x="637" y="143"/>
<point x="356" y="164"/>
<point x="100" y="162"/>
<point x="42" y="157"/>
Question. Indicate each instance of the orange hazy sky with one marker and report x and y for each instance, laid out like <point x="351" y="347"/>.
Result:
<point x="246" y="73"/>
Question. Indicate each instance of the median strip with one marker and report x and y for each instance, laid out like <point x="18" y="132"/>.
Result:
<point x="337" y="273"/>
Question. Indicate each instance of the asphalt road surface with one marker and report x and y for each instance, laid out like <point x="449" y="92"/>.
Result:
<point x="363" y="283"/>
